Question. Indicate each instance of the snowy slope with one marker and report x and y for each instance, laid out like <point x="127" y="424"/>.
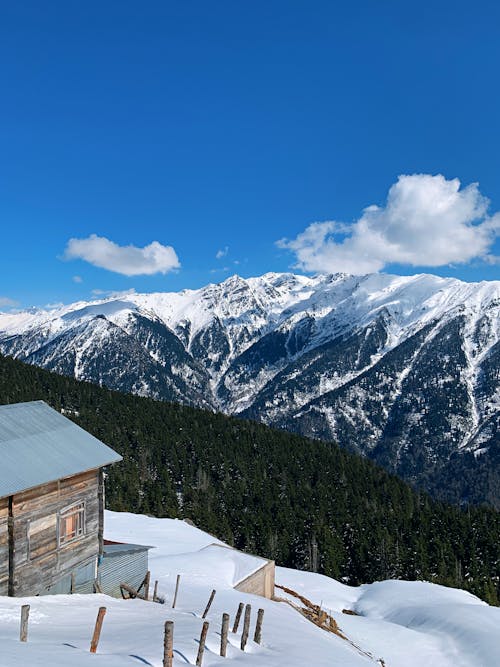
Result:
<point x="404" y="369"/>
<point x="405" y="623"/>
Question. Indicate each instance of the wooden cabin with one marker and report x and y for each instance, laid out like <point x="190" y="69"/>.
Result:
<point x="51" y="502"/>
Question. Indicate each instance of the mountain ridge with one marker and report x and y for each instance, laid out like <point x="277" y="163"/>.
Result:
<point x="403" y="369"/>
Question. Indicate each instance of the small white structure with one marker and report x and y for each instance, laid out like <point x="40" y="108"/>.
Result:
<point x="181" y="548"/>
<point x="251" y="574"/>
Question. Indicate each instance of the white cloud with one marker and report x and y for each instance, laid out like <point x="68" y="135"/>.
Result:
<point x="116" y="294"/>
<point x="427" y="221"/>
<point x="127" y="260"/>
<point x="5" y="302"/>
<point x="222" y="252"/>
<point x="77" y="279"/>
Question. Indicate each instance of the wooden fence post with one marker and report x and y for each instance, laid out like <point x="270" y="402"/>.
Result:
<point x="209" y="604"/>
<point x="168" y="644"/>
<point x="97" y="629"/>
<point x="223" y="634"/>
<point x="258" y="627"/>
<point x="72" y="589"/>
<point x="201" y="647"/>
<point x="176" y="591"/>
<point x="155" y="592"/>
<point x="246" y="626"/>
<point x="25" y="613"/>
<point x="146" y="585"/>
<point x="237" y="617"/>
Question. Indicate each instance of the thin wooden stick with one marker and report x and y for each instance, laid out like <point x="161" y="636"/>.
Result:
<point x="72" y="589"/>
<point x="155" y="592"/>
<point x="237" y="617"/>
<point x="168" y="644"/>
<point x="176" y="591"/>
<point x="97" y="629"/>
<point x="23" y="632"/>
<point x="223" y="634"/>
<point x="143" y="584"/>
<point x="201" y="647"/>
<point x="209" y="603"/>
<point x="258" y="627"/>
<point x="131" y="591"/>
<point x="246" y="626"/>
<point x="97" y="586"/>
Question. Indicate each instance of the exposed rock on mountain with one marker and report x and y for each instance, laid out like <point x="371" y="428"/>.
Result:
<point x="405" y="370"/>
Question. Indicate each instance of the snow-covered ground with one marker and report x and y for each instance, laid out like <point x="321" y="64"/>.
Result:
<point x="407" y="624"/>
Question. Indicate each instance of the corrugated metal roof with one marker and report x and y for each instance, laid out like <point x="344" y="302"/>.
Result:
<point x="39" y="445"/>
<point x="111" y="550"/>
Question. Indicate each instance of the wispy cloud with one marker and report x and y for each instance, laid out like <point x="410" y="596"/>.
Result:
<point x="77" y="279"/>
<point x="223" y="269"/>
<point x="127" y="260"/>
<point x="222" y="252"/>
<point x="105" y="293"/>
<point x="6" y="302"/>
<point x="426" y="221"/>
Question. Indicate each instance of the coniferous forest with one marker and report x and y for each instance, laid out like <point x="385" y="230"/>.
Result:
<point x="307" y="504"/>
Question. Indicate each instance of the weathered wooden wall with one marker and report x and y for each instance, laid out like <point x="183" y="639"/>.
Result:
<point x="4" y="546"/>
<point x="38" y="562"/>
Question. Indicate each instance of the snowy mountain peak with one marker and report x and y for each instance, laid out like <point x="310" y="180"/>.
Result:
<point x="402" y="368"/>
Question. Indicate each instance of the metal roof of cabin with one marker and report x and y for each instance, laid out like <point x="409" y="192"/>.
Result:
<point x="113" y="550"/>
<point x="39" y="445"/>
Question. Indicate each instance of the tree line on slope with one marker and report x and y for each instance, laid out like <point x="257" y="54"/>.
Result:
<point x="307" y="504"/>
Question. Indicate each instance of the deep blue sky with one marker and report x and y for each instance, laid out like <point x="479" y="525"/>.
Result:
<point x="202" y="125"/>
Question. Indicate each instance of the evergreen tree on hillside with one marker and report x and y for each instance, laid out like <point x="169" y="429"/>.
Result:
<point x="304" y="503"/>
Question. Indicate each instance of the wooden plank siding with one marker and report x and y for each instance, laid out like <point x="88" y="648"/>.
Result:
<point x="38" y="560"/>
<point x="4" y="546"/>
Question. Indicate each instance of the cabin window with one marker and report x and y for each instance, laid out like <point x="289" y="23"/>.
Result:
<point x="71" y="523"/>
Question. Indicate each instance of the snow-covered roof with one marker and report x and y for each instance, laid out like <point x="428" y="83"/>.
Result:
<point x="184" y="549"/>
<point x="39" y="445"/>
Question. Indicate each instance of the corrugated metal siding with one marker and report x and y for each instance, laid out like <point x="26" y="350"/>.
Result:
<point x="122" y="565"/>
<point x="39" y="445"/>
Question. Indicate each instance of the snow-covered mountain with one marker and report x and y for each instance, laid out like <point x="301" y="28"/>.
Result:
<point x="404" y="369"/>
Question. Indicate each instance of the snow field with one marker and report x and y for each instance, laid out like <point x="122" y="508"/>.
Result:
<point x="408" y="624"/>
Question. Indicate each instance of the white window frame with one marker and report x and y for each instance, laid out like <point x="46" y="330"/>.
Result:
<point x="77" y="509"/>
